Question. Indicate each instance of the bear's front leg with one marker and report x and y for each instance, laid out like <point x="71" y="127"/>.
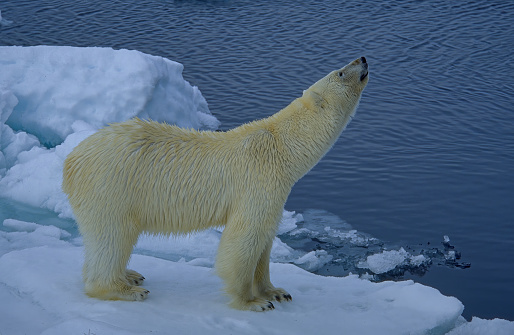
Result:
<point x="238" y="254"/>
<point x="262" y="283"/>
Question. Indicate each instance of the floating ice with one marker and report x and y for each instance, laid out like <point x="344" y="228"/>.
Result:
<point x="479" y="326"/>
<point x="313" y="260"/>
<point x="450" y="256"/>
<point x="352" y="251"/>
<point x="389" y="260"/>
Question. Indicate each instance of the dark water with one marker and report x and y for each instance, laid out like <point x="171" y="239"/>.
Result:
<point x="431" y="151"/>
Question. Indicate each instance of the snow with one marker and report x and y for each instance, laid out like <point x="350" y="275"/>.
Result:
<point x="188" y="296"/>
<point x="51" y="98"/>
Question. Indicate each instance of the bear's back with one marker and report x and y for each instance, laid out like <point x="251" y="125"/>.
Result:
<point x="160" y="173"/>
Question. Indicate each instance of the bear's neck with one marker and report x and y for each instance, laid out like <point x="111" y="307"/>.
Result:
<point x="306" y="130"/>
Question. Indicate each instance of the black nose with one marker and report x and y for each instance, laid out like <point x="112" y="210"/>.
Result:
<point x="363" y="59"/>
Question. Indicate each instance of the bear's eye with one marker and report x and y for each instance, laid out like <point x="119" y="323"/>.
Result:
<point x="341" y="74"/>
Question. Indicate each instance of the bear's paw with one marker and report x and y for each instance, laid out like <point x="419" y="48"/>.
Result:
<point x="137" y="294"/>
<point x="260" y="305"/>
<point x="119" y="290"/>
<point x="276" y="294"/>
<point x="134" y="278"/>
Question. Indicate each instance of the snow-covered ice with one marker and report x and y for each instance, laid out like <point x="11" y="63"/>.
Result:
<point x="55" y="87"/>
<point x="41" y="282"/>
<point x="51" y="98"/>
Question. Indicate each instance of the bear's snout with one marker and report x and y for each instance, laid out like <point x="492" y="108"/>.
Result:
<point x="364" y="72"/>
<point x="360" y="61"/>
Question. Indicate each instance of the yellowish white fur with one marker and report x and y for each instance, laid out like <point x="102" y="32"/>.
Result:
<point x="142" y="176"/>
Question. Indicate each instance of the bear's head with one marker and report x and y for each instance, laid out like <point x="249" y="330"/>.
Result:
<point x="342" y="88"/>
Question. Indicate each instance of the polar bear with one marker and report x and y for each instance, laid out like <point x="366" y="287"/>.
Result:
<point x="141" y="176"/>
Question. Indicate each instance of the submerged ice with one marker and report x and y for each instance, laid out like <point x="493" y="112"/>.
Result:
<point x="51" y="98"/>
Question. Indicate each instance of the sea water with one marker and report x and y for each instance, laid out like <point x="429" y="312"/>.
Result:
<point x="431" y="150"/>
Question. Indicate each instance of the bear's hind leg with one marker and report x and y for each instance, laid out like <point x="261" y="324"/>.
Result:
<point x="105" y="273"/>
<point x="262" y="283"/>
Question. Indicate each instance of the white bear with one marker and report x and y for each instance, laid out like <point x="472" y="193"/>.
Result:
<point x="143" y="176"/>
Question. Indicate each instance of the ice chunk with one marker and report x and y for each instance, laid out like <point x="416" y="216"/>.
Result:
<point x="329" y="228"/>
<point x="20" y="225"/>
<point x="418" y="260"/>
<point x="479" y="326"/>
<point x="313" y="260"/>
<point x="391" y="259"/>
<point x="385" y="261"/>
<point x="36" y="178"/>
<point x="352" y="235"/>
<point x="281" y="252"/>
<point x="55" y="86"/>
<point x="288" y="222"/>
<point x="450" y="256"/>
<point x="29" y="234"/>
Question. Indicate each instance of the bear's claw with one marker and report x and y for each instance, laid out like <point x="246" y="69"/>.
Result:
<point x="256" y="305"/>
<point x="144" y="294"/>
<point x="140" y="295"/>
<point x="277" y="294"/>
<point x="286" y="297"/>
<point x="269" y="307"/>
